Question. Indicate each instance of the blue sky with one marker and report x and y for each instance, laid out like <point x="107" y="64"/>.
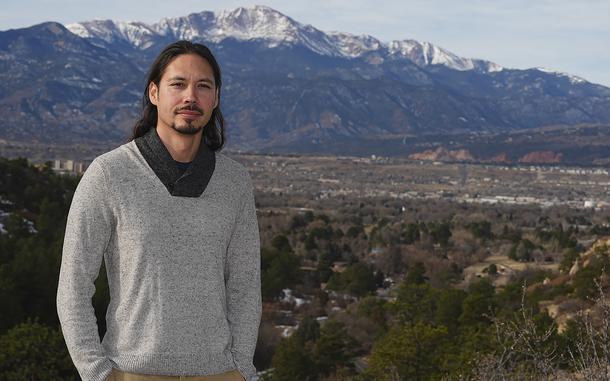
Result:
<point x="568" y="36"/>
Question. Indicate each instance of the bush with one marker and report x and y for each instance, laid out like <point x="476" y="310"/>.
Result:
<point x="32" y="351"/>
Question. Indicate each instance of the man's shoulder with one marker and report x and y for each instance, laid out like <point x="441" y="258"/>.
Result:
<point x="230" y="165"/>
<point x="116" y="156"/>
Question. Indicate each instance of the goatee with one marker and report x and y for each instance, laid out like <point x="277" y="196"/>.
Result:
<point x="189" y="129"/>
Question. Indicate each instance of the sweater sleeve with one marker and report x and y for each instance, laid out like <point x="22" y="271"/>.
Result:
<point x="243" y="285"/>
<point x="88" y="231"/>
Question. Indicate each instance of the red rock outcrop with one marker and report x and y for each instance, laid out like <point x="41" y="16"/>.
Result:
<point x="500" y="158"/>
<point x="542" y="157"/>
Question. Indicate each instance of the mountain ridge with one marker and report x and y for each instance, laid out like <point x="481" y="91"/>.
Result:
<point x="287" y="86"/>
<point x="262" y="22"/>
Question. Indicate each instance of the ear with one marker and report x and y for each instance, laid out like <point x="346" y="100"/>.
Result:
<point x="216" y="99"/>
<point x="153" y="93"/>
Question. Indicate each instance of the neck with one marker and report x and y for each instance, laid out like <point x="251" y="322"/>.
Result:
<point x="181" y="147"/>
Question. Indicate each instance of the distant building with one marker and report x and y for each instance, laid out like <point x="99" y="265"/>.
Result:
<point x="69" y="166"/>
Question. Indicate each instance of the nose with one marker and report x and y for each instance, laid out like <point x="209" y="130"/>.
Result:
<point x="190" y="94"/>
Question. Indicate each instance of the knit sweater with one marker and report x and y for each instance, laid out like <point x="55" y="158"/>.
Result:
<point x="183" y="272"/>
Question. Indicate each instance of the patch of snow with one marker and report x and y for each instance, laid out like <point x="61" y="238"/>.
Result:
<point x="352" y="46"/>
<point x="287" y="330"/>
<point x="136" y="33"/>
<point x="574" y="79"/>
<point x="425" y="54"/>
<point x="289" y="298"/>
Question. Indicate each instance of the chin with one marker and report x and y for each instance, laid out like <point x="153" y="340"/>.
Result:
<point x="187" y="130"/>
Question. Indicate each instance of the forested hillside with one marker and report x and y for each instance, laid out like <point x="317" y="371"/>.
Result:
<point x="364" y="289"/>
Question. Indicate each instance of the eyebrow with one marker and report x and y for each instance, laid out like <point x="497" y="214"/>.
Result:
<point x="178" y="78"/>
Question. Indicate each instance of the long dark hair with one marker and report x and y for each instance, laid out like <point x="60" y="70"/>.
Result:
<point x="214" y="131"/>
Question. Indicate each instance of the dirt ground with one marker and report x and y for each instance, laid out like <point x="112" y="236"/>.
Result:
<point x="506" y="268"/>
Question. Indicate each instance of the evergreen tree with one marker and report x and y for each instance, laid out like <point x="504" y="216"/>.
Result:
<point x="279" y="270"/>
<point x="479" y="305"/>
<point x="358" y="280"/>
<point x="309" y="329"/>
<point x="32" y="351"/>
<point x="416" y="352"/>
<point x="334" y="349"/>
<point x="293" y="360"/>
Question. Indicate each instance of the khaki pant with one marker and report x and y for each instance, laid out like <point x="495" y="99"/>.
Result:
<point x="119" y="375"/>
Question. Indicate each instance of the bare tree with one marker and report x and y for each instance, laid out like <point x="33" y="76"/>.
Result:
<point x="590" y="351"/>
<point x="524" y="351"/>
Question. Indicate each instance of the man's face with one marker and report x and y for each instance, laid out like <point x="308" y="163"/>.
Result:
<point x="186" y="95"/>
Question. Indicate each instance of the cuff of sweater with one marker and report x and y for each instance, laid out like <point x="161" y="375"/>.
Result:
<point x="100" y="372"/>
<point x="244" y="365"/>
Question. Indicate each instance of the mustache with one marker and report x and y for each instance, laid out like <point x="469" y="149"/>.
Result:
<point x="191" y="107"/>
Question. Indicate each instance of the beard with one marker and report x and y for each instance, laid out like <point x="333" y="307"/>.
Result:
<point x="188" y="129"/>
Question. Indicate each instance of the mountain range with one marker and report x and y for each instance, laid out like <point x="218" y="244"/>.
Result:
<point x="287" y="87"/>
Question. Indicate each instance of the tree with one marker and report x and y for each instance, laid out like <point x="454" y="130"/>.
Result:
<point x="522" y="251"/>
<point x="324" y="232"/>
<point x="326" y="260"/>
<point x="584" y="280"/>
<point x="310" y="243"/>
<point x="492" y="269"/>
<point x="374" y="309"/>
<point x="416" y="274"/>
<point x="30" y="251"/>
<point x="415" y="303"/>
<point x="481" y="229"/>
<point x="390" y="261"/>
<point x="410" y="352"/>
<point x="354" y="231"/>
<point x="293" y="360"/>
<point x="358" y="279"/>
<point x="279" y="270"/>
<point x="479" y="304"/>
<point x="335" y="348"/>
<point x="511" y="234"/>
<point x="441" y="233"/>
<point x="448" y="306"/>
<point x="411" y="233"/>
<point x="569" y="257"/>
<point x="281" y="243"/>
<point x="301" y="220"/>
<point x="309" y="329"/>
<point x="32" y="351"/>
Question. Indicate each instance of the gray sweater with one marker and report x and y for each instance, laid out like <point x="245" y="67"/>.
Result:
<point x="183" y="272"/>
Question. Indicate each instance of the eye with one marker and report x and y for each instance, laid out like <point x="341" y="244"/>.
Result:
<point x="204" y="85"/>
<point x="177" y="84"/>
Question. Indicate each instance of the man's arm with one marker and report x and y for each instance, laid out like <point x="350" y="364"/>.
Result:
<point x="88" y="231"/>
<point x="243" y="284"/>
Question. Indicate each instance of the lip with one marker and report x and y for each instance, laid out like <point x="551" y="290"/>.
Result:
<point x="190" y="114"/>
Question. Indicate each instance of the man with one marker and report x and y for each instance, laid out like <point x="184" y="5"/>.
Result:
<point x="175" y="223"/>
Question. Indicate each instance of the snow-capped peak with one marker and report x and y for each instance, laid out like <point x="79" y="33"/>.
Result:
<point x="350" y="45"/>
<point x="240" y="23"/>
<point x="272" y="28"/>
<point x="258" y="22"/>
<point x="425" y="53"/>
<point x="247" y="23"/>
<point x="136" y="33"/>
